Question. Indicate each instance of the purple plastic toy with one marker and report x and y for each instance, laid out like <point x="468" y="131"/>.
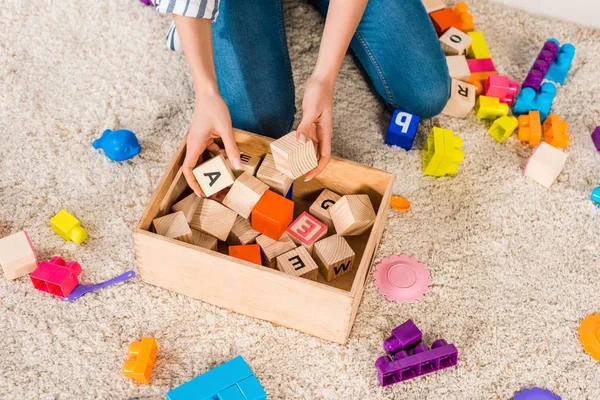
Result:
<point x="80" y="290"/>
<point x="596" y="138"/>
<point x="541" y="65"/>
<point x="147" y="2"/>
<point x="535" y="394"/>
<point x="403" y="336"/>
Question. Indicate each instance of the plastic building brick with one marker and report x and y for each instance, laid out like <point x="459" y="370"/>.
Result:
<point x="503" y="127"/>
<point x="248" y="252"/>
<point x="142" y="356"/>
<point x="478" y="47"/>
<point x="481" y="65"/>
<point x="68" y="227"/>
<point x="541" y="101"/>
<point x="502" y="88"/>
<point x="442" y="153"/>
<point x="444" y="19"/>
<point x="119" y="145"/>
<point x="402" y="279"/>
<point x="147" y="2"/>
<point x="555" y="132"/>
<point x="420" y="361"/>
<point x="530" y="128"/>
<point x="541" y="65"/>
<point x="403" y="337"/>
<point x="535" y="394"/>
<point x="596" y="196"/>
<point x="272" y="215"/>
<point x="596" y="138"/>
<point x="559" y="69"/>
<point x="490" y="108"/>
<point x="399" y="203"/>
<point x="17" y="255"/>
<point x="478" y="79"/>
<point x="545" y="164"/>
<point x="402" y="129"/>
<point x="231" y="377"/>
<point x="56" y="276"/>
<point x="466" y="19"/>
<point x="589" y="335"/>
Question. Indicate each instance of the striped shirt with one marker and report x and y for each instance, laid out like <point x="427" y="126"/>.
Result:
<point x="208" y="9"/>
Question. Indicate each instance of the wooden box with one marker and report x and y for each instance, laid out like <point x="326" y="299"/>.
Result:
<point x="323" y="309"/>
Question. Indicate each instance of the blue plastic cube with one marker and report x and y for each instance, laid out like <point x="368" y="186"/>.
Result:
<point x="402" y="129"/>
<point x="540" y="101"/>
<point x="559" y="69"/>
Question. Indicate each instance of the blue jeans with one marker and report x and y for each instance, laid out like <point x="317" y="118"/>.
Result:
<point x="395" y="44"/>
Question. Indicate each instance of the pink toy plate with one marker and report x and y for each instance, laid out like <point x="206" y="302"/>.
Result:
<point x="402" y="278"/>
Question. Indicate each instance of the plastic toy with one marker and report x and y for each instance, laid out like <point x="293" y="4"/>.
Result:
<point x="399" y="203"/>
<point x="147" y="2"/>
<point x="68" y="227"/>
<point x="272" y="215"/>
<point x="466" y="19"/>
<point x="232" y="380"/>
<point x="530" y="128"/>
<point x="555" y="132"/>
<point x="478" y="79"/>
<point x="80" y="290"/>
<point x="502" y="88"/>
<point x="503" y="127"/>
<point x="442" y="153"/>
<point x="402" y="129"/>
<point x="481" y="65"/>
<point x="541" y="65"/>
<point x="142" y="356"/>
<point x="490" y="108"/>
<point x="589" y="335"/>
<point x="290" y="192"/>
<point x="540" y="101"/>
<point x="596" y="196"/>
<point x="56" y="276"/>
<point x="17" y="255"/>
<point x="535" y="394"/>
<point x="403" y="337"/>
<point x="478" y="47"/>
<point x="559" y="69"/>
<point x="596" y="138"/>
<point x="119" y="145"/>
<point x="444" y="19"/>
<point x="402" y="279"/>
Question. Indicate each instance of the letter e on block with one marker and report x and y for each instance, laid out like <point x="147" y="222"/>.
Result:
<point x="306" y="230"/>
<point x="334" y="256"/>
<point x="298" y="263"/>
<point x="214" y="175"/>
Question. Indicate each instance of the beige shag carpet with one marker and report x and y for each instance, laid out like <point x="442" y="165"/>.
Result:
<point x="515" y="266"/>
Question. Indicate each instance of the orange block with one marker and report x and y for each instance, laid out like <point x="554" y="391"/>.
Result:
<point x="530" y="128"/>
<point x="478" y="79"/>
<point x="555" y="132"/>
<point x="248" y="252"/>
<point x="272" y="215"/>
<point x="445" y="19"/>
<point x="141" y="360"/>
<point x="466" y="19"/>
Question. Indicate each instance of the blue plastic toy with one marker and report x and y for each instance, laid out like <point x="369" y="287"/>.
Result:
<point x="402" y="129"/>
<point x="232" y="380"/>
<point x="288" y="195"/>
<point x="562" y="63"/>
<point x="119" y="145"/>
<point x="540" y="101"/>
<point x="596" y="196"/>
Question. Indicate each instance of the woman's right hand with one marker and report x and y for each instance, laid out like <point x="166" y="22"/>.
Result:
<point x="211" y="120"/>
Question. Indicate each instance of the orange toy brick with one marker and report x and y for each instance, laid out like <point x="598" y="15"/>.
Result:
<point x="466" y="19"/>
<point x="272" y="215"/>
<point x="530" y="128"/>
<point x="445" y="19"/>
<point x="555" y="132"/>
<point x="142" y="356"/>
<point x="248" y="252"/>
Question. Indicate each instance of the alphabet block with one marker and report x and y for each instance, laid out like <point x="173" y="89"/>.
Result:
<point x="352" y="214"/>
<point x="541" y="101"/>
<point x="530" y="128"/>
<point x="466" y="19"/>
<point x="213" y="218"/>
<point x="455" y="42"/>
<point x="244" y="194"/>
<point x="320" y="208"/>
<point x="462" y="99"/>
<point x="204" y="240"/>
<point x="334" y="256"/>
<point x="174" y="226"/>
<point x="214" y="175"/>
<point x="479" y="48"/>
<point x="490" y="108"/>
<point x="247" y="252"/>
<point x="142" y="356"/>
<point x="402" y="129"/>
<point x="242" y="232"/>
<point x="292" y="158"/>
<point x="442" y="153"/>
<point x="478" y="79"/>
<point x="503" y="127"/>
<point x="17" y="256"/>
<point x="187" y="206"/>
<point x="220" y="195"/>
<point x="249" y="164"/>
<point x="561" y="65"/>
<point x="502" y="88"/>
<point x="458" y="67"/>
<point x="555" y="132"/>
<point x="68" y="227"/>
<point x="481" y="65"/>
<point x="444" y="19"/>
<point x="306" y="230"/>
<point x="278" y="182"/>
<point x="298" y="262"/>
<point x="433" y="5"/>
<point x="541" y="65"/>
<point x="271" y="249"/>
<point x="545" y="164"/>
<point x="56" y="276"/>
<point x="272" y="214"/>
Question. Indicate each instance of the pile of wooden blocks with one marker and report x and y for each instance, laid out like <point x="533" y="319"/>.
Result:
<point x="251" y="213"/>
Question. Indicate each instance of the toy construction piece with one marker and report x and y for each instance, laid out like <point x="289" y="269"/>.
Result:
<point x="535" y="394"/>
<point x="589" y="335"/>
<point x="399" y="203"/>
<point x="402" y="279"/>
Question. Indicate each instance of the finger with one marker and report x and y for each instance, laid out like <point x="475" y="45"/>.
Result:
<point x="214" y="149"/>
<point x="233" y="153"/>
<point x="304" y="128"/>
<point x="323" y="161"/>
<point x="325" y="133"/>
<point x="192" y="155"/>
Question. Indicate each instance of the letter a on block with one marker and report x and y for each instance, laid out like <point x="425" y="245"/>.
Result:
<point x="214" y="175"/>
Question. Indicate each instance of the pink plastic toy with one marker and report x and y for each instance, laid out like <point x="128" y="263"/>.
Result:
<point x="501" y="87"/>
<point x="402" y="279"/>
<point x="481" y="65"/>
<point x="56" y="276"/>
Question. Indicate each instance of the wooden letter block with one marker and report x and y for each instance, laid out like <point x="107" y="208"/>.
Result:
<point x="334" y="256"/>
<point x="306" y="230"/>
<point x="479" y="48"/>
<point x="248" y="252"/>
<point x="352" y="214"/>
<point x="462" y="99"/>
<point x="545" y="164"/>
<point x="271" y="249"/>
<point x="272" y="214"/>
<point x="444" y="19"/>
<point x="244" y="194"/>
<point x="213" y="218"/>
<point x="320" y="208"/>
<point x="530" y="128"/>
<point x="298" y="262"/>
<point x="204" y="240"/>
<point x="293" y="158"/>
<point x="433" y="5"/>
<point x="187" y="206"/>
<point x="455" y="42"/>
<point x="555" y="132"/>
<point x="17" y="256"/>
<point x="174" y="226"/>
<point x="278" y="182"/>
<point x="458" y="67"/>
<point x="249" y="164"/>
<point x="220" y="195"/>
<point x="242" y="232"/>
<point x="214" y="175"/>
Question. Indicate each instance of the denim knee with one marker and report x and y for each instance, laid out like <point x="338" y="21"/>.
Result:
<point x="272" y="122"/>
<point x="429" y="95"/>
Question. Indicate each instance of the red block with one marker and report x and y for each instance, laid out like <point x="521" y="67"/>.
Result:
<point x="56" y="276"/>
<point x="445" y="19"/>
<point x="502" y="88"/>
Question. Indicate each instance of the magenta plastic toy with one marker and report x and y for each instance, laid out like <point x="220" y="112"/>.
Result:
<point x="544" y="60"/>
<point x="596" y="138"/>
<point x="403" y="337"/>
<point x="56" y="276"/>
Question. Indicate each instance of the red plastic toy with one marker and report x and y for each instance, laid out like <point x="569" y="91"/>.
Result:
<point x="56" y="276"/>
<point x="502" y="88"/>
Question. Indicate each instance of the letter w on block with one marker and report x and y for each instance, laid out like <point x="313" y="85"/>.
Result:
<point x="342" y="267"/>
<point x="306" y="230"/>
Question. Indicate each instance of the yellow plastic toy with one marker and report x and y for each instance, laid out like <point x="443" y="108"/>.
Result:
<point x="479" y="48"/>
<point x="589" y="335"/>
<point x="68" y="227"/>
<point x="442" y="153"/>
<point x="503" y="127"/>
<point x="490" y="108"/>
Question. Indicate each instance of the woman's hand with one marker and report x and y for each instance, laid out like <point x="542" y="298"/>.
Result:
<point x="316" y="124"/>
<point x="211" y="120"/>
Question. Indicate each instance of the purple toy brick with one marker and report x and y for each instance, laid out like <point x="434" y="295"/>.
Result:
<point x="541" y="65"/>
<point x="596" y="138"/>
<point x="147" y="2"/>
<point x="403" y="336"/>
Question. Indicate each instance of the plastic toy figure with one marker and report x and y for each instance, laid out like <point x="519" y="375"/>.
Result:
<point x="119" y="145"/>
